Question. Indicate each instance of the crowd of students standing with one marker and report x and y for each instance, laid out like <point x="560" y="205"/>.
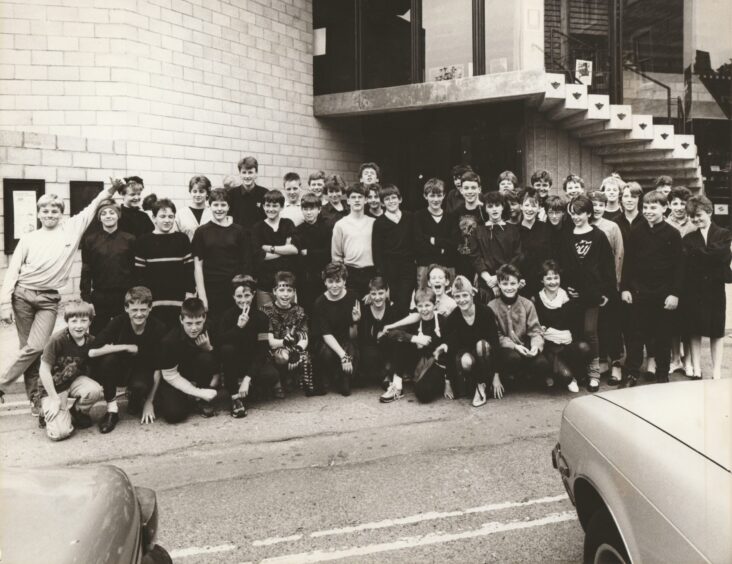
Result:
<point x="258" y="292"/>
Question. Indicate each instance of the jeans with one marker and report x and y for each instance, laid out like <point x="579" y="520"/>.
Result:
<point x="88" y="392"/>
<point x="35" y="316"/>
<point x="124" y="369"/>
<point x="175" y="406"/>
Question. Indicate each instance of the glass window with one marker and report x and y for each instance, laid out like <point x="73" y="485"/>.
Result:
<point x="334" y="46"/>
<point x="514" y="35"/>
<point x="387" y="43"/>
<point x="653" y="35"/>
<point x="446" y="39"/>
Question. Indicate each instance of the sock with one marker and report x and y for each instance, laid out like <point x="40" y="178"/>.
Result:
<point x="397" y="381"/>
<point x="112" y="407"/>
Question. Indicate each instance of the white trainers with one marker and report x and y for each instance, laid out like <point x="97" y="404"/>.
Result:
<point x="479" y="398"/>
<point x="573" y="387"/>
<point x="390" y="395"/>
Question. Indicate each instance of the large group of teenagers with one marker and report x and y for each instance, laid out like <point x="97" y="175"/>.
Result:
<point x="246" y="293"/>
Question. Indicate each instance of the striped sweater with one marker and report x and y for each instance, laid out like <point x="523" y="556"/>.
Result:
<point x="164" y="264"/>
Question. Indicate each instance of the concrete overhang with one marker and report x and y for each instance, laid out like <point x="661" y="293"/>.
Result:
<point x="464" y="91"/>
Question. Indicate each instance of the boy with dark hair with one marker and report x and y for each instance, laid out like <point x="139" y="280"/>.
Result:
<point x="187" y="364"/>
<point x="292" y="209"/>
<point x="65" y="374"/>
<point x="272" y="244"/>
<point x="288" y="339"/>
<point x="352" y="241"/>
<point x="197" y="212"/>
<point x="664" y="185"/>
<point x="630" y="196"/>
<point x="375" y="207"/>
<point x="247" y="200"/>
<point x="335" y="209"/>
<point x="433" y="243"/>
<point x="454" y="197"/>
<point x="519" y="330"/>
<point x="164" y="263"/>
<point x="126" y="350"/>
<point x="107" y="266"/>
<point x="242" y="344"/>
<point x="653" y="277"/>
<point x="312" y="239"/>
<point x="393" y="248"/>
<point x="679" y="218"/>
<point x="495" y="243"/>
<point x="369" y="173"/>
<point x="221" y="250"/>
<point x="542" y="181"/>
<point x="39" y="268"/>
<point x="573" y="185"/>
<point x="336" y="314"/>
<point x="132" y="219"/>
<point x="376" y="352"/>
<point x="536" y="241"/>
<point x="464" y="222"/>
<point x="556" y="211"/>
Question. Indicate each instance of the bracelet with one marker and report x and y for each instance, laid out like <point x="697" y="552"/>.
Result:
<point x="272" y="249"/>
<point x="346" y="359"/>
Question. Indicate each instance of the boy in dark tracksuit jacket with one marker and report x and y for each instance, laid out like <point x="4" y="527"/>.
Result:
<point x="432" y="238"/>
<point x="653" y="277"/>
<point x="312" y="239"/>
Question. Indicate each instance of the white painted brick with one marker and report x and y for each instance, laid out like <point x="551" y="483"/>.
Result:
<point x="48" y="173"/>
<point x="70" y="144"/>
<point x="31" y="72"/>
<point x="76" y="29"/>
<point x="63" y="73"/>
<point x="119" y="31"/>
<point x="68" y="174"/>
<point x="94" y="15"/>
<point x="64" y="102"/>
<point x="47" y="58"/>
<point x="11" y="138"/>
<point x="102" y="103"/>
<point x="63" y="43"/>
<point x="120" y="147"/>
<point x="114" y="162"/>
<point x="56" y="158"/>
<point x="100" y="145"/>
<point x="99" y="74"/>
<point x="96" y="45"/>
<point x="62" y="14"/>
<point x="39" y="141"/>
<point x="86" y="160"/>
<point x="15" y="26"/>
<point x="24" y="156"/>
<point x="8" y="170"/>
<point x="78" y="59"/>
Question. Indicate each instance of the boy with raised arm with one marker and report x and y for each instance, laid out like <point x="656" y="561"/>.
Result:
<point x="39" y="268"/>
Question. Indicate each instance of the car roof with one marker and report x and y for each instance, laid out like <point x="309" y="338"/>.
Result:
<point x="65" y="514"/>
<point x="696" y="413"/>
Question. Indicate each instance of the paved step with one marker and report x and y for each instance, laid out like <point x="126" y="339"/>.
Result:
<point x="667" y="165"/>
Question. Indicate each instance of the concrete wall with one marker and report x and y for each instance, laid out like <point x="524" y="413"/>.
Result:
<point x="707" y="24"/>
<point x="163" y="89"/>
<point x="550" y="148"/>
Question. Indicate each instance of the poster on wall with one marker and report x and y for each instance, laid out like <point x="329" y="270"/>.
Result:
<point x="19" y="209"/>
<point x="583" y="71"/>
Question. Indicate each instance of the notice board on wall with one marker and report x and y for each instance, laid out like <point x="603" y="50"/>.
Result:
<point x="19" y="209"/>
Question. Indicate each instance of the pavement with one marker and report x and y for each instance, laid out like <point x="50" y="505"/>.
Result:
<point x="332" y="478"/>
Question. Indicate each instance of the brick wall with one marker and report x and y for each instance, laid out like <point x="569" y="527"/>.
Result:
<point x="164" y="89"/>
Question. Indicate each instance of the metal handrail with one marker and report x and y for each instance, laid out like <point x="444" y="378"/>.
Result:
<point x="680" y="115"/>
<point x="561" y="64"/>
<point x="658" y="82"/>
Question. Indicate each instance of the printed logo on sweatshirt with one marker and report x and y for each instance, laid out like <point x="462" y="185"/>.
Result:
<point x="582" y="247"/>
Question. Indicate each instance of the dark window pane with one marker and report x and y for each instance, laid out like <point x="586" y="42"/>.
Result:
<point x="653" y="34"/>
<point x="334" y="46"/>
<point x="386" y="43"/>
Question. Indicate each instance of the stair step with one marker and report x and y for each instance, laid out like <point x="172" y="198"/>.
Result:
<point x="662" y="167"/>
<point x="554" y="92"/>
<point x="593" y="114"/>
<point x="636" y="148"/>
<point x="663" y="137"/>
<point x="650" y="175"/>
<point x="641" y="157"/>
<point x="621" y="117"/>
<point x="642" y="126"/>
<point x="684" y="147"/>
<point x="609" y="138"/>
<point x="576" y="97"/>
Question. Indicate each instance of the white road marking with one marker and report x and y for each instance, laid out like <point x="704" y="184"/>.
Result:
<point x="276" y="540"/>
<point x="431" y="516"/>
<point x="197" y="550"/>
<point x="418" y="541"/>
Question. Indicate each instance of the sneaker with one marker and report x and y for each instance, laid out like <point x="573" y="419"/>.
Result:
<point x="238" y="409"/>
<point x="549" y="382"/>
<point x="616" y="376"/>
<point x="385" y="383"/>
<point x="573" y="387"/>
<point x="676" y="366"/>
<point x="593" y="385"/>
<point x="35" y="410"/>
<point x="345" y="385"/>
<point x="390" y="395"/>
<point x="108" y="423"/>
<point x="278" y="392"/>
<point x="205" y="409"/>
<point x="41" y="421"/>
<point x="82" y="420"/>
<point x="651" y="368"/>
<point x="480" y="397"/>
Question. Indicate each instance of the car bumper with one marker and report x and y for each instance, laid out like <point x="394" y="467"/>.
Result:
<point x="560" y="464"/>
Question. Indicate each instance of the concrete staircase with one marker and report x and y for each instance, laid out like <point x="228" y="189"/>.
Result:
<point x="628" y="143"/>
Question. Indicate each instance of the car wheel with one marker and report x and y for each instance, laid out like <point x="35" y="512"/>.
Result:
<point x="158" y="555"/>
<point x="603" y="544"/>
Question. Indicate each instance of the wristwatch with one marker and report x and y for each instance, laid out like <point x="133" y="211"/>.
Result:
<point x="271" y="249"/>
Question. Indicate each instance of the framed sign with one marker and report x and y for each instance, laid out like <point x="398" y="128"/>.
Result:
<point x="19" y="209"/>
<point x="81" y="194"/>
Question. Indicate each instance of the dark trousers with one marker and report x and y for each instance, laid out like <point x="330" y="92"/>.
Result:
<point x="400" y="275"/>
<point x="220" y="299"/>
<point x="107" y="304"/>
<point x="175" y="406"/>
<point x="377" y="361"/>
<point x="310" y="286"/>
<point x="529" y="367"/>
<point x="328" y="363"/>
<point x="652" y="325"/>
<point x="471" y="366"/>
<point x="609" y="329"/>
<point x="124" y="369"/>
<point x="567" y="361"/>
<point x="428" y="380"/>
<point x="359" y="278"/>
<point x="168" y="315"/>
